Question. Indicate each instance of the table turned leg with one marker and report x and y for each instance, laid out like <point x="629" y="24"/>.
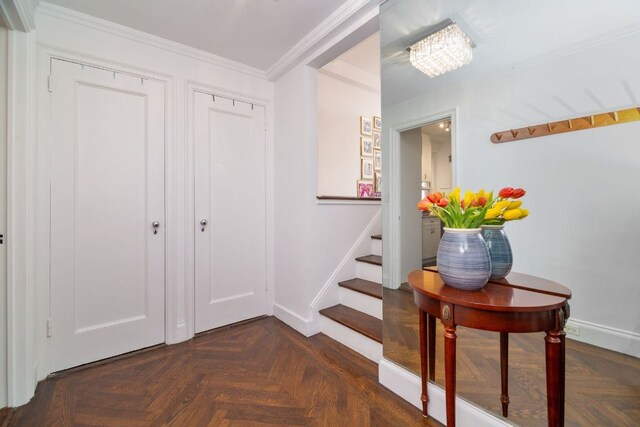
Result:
<point x="504" y="372"/>
<point x="450" y="373"/>
<point x="432" y="347"/>
<point x="554" y="350"/>
<point x="424" y="359"/>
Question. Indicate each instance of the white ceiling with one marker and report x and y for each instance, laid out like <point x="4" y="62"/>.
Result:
<point x="253" y="32"/>
<point x="508" y="34"/>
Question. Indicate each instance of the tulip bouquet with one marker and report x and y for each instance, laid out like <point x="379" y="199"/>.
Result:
<point x="475" y="209"/>
<point x="505" y="207"/>
<point x="457" y="212"/>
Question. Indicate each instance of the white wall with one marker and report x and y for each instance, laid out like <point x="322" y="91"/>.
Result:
<point x="583" y="229"/>
<point x="311" y="238"/>
<point x="340" y="105"/>
<point x="3" y="206"/>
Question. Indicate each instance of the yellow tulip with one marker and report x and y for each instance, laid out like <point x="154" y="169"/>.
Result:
<point x="492" y="213"/>
<point x="512" y="214"/>
<point x="455" y="195"/>
<point x="502" y="204"/>
<point x="468" y="198"/>
<point x="481" y="193"/>
<point x="515" y="204"/>
<point x="525" y="213"/>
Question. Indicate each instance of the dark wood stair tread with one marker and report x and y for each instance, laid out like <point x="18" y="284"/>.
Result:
<point x="360" y="322"/>
<point x="366" y="287"/>
<point x="377" y="237"/>
<point x="371" y="259"/>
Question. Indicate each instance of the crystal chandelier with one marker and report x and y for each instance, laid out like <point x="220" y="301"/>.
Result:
<point x="442" y="51"/>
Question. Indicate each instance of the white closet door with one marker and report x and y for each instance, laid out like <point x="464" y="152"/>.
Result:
<point x="230" y="197"/>
<point x="107" y="188"/>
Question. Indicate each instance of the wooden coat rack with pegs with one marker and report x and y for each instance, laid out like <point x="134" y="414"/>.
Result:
<point x="569" y="125"/>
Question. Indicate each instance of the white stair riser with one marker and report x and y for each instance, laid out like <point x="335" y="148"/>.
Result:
<point x="370" y="272"/>
<point x="376" y="247"/>
<point x="354" y="340"/>
<point x="361" y="302"/>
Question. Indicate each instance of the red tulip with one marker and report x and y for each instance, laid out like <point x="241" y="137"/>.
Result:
<point x="506" y="192"/>
<point x="443" y="203"/>
<point x="434" y="197"/>
<point x="517" y="193"/>
<point x="482" y="201"/>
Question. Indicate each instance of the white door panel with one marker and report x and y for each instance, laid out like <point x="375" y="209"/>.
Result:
<point x="107" y="187"/>
<point x="230" y="196"/>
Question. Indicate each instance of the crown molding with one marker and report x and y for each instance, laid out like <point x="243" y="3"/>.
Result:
<point x="348" y="11"/>
<point x="109" y="27"/>
<point x="18" y="15"/>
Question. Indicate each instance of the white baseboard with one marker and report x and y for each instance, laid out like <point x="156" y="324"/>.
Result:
<point x="408" y="386"/>
<point x="297" y="322"/>
<point x="355" y="341"/>
<point x="603" y="336"/>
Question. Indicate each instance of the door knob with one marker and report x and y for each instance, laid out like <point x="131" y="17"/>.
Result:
<point x="155" y="225"/>
<point x="203" y="223"/>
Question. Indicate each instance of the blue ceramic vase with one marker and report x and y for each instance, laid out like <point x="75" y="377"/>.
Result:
<point x="463" y="258"/>
<point x="499" y="250"/>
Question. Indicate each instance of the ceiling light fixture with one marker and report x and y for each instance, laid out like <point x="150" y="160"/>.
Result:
<point x="444" y="50"/>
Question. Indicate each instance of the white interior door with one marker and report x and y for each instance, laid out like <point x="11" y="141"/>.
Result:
<point x="107" y="188"/>
<point x="230" y="197"/>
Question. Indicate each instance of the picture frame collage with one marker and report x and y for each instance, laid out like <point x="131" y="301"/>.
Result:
<point x="370" y="183"/>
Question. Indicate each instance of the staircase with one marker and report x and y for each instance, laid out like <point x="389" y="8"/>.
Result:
<point x="357" y="320"/>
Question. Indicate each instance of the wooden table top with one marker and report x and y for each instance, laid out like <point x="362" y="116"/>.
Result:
<point x="528" y="282"/>
<point x="517" y="294"/>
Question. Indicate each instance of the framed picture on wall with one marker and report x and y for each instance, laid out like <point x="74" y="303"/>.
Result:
<point x="377" y="160"/>
<point x="365" y="189"/>
<point x="366" y="126"/>
<point x="366" y="168"/>
<point x="378" y="183"/>
<point x="376" y="140"/>
<point x="366" y="146"/>
<point x="377" y="123"/>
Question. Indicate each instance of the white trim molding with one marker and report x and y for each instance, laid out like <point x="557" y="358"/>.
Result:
<point x="19" y="15"/>
<point x="21" y="312"/>
<point x="391" y="203"/>
<point x="344" y="16"/>
<point x="408" y="386"/>
<point x="297" y="322"/>
<point x="603" y="336"/>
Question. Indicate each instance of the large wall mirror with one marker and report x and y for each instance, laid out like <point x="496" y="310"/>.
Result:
<point x="534" y="62"/>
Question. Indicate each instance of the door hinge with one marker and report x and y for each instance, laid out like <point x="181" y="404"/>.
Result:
<point x="1" y="239"/>
<point x="49" y="328"/>
<point x="50" y="84"/>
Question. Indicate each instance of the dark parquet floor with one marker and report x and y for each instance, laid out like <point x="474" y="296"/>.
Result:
<point x="258" y="373"/>
<point x="602" y="386"/>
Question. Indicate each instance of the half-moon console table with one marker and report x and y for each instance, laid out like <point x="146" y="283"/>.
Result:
<point x="517" y="303"/>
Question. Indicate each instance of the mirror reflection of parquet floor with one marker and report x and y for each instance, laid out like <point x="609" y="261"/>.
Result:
<point x="257" y="373"/>
<point x="602" y="386"/>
